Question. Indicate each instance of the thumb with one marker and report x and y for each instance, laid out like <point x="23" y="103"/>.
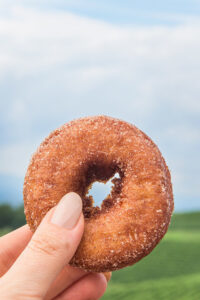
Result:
<point x="51" y="247"/>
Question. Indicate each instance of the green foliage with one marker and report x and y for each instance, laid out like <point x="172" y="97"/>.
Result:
<point x="6" y="215"/>
<point x="183" y="288"/>
<point x="187" y="221"/>
<point x="19" y="217"/>
<point x="11" y="217"/>
<point x="171" y="271"/>
<point x="5" y="230"/>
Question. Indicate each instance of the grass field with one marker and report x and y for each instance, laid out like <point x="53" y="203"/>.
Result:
<point x="171" y="271"/>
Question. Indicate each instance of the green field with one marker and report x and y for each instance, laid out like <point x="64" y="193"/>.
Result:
<point x="171" y="271"/>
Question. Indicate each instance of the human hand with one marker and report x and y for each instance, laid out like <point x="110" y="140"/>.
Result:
<point x="35" y="266"/>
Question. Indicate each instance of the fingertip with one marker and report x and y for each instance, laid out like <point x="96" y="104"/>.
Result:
<point x="27" y="229"/>
<point x="101" y="284"/>
<point x="74" y="195"/>
<point x="91" y="286"/>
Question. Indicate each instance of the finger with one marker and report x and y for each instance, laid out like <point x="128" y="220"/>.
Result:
<point x="51" y="247"/>
<point x="92" y="286"/>
<point x="68" y="276"/>
<point x="11" y="246"/>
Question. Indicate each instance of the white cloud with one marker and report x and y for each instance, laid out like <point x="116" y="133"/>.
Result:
<point x="89" y="52"/>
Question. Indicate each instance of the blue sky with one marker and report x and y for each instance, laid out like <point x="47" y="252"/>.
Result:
<point x="137" y="61"/>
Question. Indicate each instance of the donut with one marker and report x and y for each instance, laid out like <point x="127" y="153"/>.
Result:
<point x="134" y="216"/>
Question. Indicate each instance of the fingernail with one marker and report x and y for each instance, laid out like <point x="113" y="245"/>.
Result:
<point x="67" y="211"/>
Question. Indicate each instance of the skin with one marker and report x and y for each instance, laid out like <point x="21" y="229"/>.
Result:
<point x="35" y="266"/>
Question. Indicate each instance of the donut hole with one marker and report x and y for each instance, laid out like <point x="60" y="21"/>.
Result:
<point x="98" y="174"/>
<point x="101" y="190"/>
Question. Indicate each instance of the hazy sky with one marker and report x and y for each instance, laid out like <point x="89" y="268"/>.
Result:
<point x="61" y="60"/>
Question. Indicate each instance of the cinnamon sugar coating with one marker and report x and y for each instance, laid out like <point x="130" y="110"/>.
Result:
<point x="133" y="218"/>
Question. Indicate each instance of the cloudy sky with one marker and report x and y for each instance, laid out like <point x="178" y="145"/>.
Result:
<point x="139" y="62"/>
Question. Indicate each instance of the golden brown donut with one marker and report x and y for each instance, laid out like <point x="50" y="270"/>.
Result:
<point x="133" y="218"/>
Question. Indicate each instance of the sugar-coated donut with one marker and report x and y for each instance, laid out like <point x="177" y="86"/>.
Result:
<point x="133" y="218"/>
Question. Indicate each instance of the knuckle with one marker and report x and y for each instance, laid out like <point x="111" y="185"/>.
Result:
<point x="46" y="245"/>
<point x="25" y="296"/>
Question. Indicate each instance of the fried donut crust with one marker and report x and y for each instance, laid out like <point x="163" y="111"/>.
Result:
<point x="133" y="218"/>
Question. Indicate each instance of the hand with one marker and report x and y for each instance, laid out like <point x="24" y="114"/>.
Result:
<point x="36" y="266"/>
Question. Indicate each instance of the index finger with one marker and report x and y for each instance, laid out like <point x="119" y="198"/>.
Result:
<point x="11" y="246"/>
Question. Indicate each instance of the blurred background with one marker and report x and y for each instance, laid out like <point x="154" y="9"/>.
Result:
<point x="134" y="60"/>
